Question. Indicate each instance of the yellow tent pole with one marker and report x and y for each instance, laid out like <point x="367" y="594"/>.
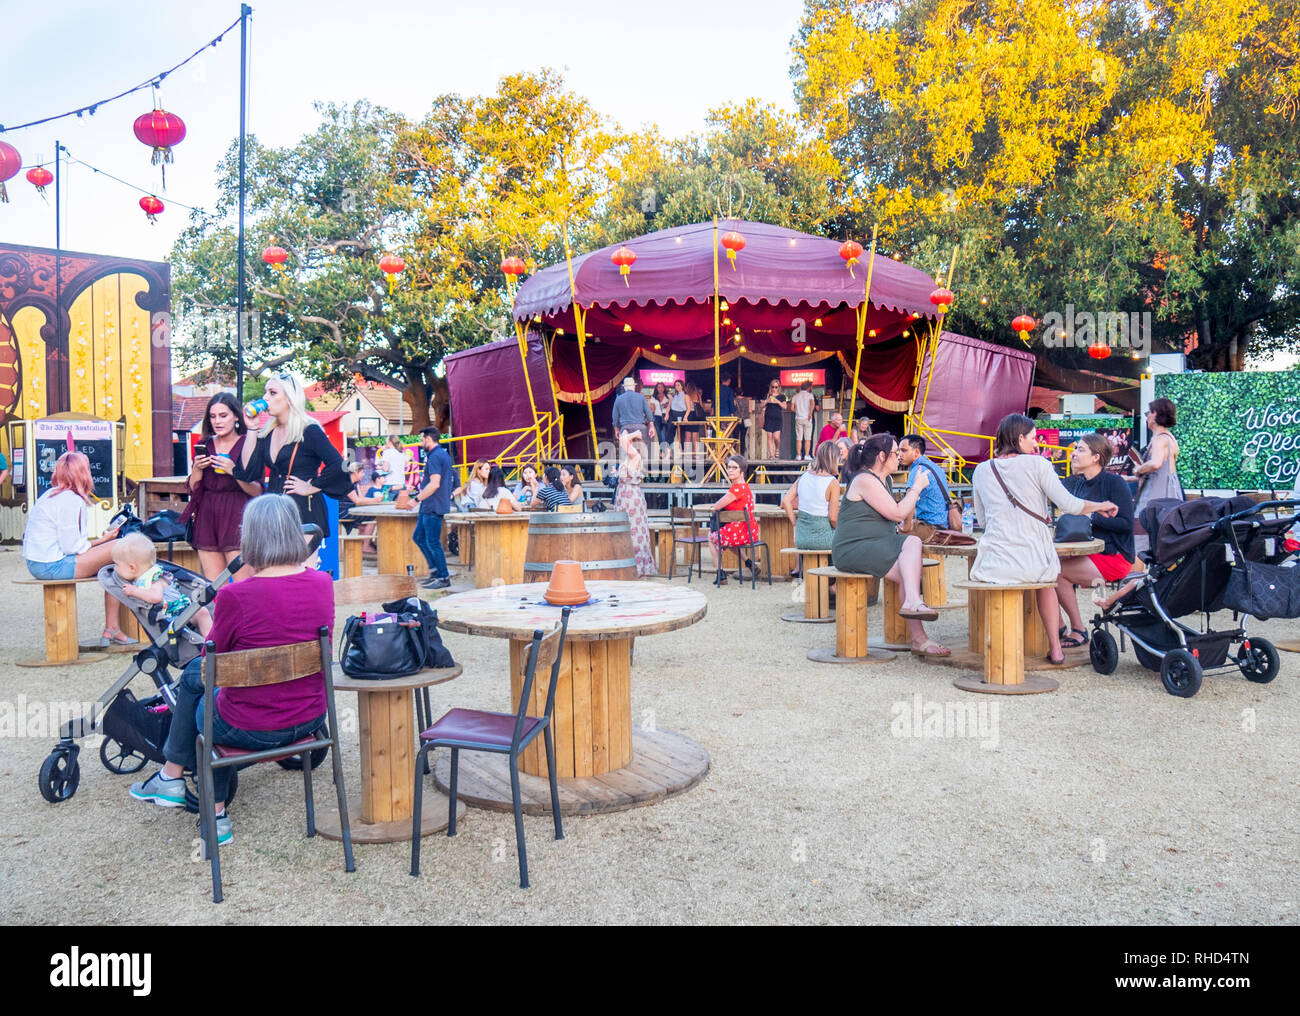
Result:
<point x="522" y="336"/>
<point x="862" y="325"/>
<point x="934" y="338"/>
<point x="579" y="324"/>
<point x="555" y="399"/>
<point x="717" y="374"/>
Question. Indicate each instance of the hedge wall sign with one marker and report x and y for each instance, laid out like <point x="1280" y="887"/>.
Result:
<point x="1236" y="431"/>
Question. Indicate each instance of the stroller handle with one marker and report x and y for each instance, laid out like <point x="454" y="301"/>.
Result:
<point x="317" y="536"/>
<point x="1262" y="506"/>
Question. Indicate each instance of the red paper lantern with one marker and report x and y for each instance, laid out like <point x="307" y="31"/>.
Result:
<point x="734" y="243"/>
<point x="625" y="258"/>
<point x="40" y="178"/>
<point x="1024" y="324"/>
<point x="513" y="266"/>
<point x="942" y="299"/>
<point x="275" y="257"/>
<point x="850" y="251"/>
<point x="152" y="208"/>
<point x="10" y="163"/>
<point x="161" y="131"/>
<point x="1099" y="351"/>
<point x="390" y="265"/>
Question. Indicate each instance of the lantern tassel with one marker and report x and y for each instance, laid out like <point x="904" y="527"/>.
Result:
<point x="851" y="263"/>
<point x="731" y="256"/>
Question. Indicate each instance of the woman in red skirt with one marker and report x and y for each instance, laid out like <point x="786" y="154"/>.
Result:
<point x="737" y="498"/>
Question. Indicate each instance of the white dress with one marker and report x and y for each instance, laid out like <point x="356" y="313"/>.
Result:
<point x="1016" y="548"/>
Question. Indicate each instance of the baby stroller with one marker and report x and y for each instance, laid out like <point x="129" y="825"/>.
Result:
<point x="135" y="730"/>
<point x="1205" y="556"/>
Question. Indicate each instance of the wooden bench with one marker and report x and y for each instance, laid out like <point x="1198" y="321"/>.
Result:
<point x="61" y="645"/>
<point x="896" y="634"/>
<point x="851" y="633"/>
<point x="999" y="612"/>
<point x="350" y="545"/>
<point x="816" y="587"/>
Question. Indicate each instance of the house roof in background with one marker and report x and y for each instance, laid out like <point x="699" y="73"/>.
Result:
<point x="187" y="411"/>
<point x="386" y="400"/>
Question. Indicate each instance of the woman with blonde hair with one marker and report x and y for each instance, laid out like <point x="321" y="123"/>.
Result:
<point x="291" y="455"/>
<point x="54" y="541"/>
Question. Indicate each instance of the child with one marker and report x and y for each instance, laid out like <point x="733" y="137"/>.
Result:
<point x="136" y="562"/>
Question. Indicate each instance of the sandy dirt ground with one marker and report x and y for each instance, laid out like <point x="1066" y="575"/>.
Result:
<point x="1107" y="802"/>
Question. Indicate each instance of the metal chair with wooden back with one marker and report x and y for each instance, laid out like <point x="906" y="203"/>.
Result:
<point x="501" y="734"/>
<point x="692" y="531"/>
<point x="257" y="668"/>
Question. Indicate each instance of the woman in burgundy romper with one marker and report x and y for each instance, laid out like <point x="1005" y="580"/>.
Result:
<point x="217" y="499"/>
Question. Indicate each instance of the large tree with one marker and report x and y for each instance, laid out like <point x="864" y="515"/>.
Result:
<point x="1120" y="157"/>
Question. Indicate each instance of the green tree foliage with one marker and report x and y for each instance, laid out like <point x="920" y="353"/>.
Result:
<point x="1120" y="156"/>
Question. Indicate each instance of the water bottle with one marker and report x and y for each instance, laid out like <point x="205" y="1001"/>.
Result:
<point x="254" y="409"/>
<point x="967" y="518"/>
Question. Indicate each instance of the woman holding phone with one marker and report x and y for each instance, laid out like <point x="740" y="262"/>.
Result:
<point x="217" y="498"/>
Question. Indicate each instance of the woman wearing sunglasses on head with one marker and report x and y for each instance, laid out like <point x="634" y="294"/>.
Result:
<point x="294" y="455"/>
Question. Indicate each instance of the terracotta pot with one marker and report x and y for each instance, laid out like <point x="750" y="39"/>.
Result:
<point x="404" y="501"/>
<point x="567" y="587"/>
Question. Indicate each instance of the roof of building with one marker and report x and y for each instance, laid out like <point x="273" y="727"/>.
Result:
<point x="187" y="411"/>
<point x="386" y="400"/>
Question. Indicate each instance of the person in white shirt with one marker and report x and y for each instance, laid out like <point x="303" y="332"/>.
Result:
<point x="393" y="463"/>
<point x="803" y="424"/>
<point x="54" y="541"/>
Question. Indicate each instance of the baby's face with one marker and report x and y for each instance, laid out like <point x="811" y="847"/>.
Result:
<point x="130" y="570"/>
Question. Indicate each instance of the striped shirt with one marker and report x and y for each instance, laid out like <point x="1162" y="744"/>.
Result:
<point x="553" y="496"/>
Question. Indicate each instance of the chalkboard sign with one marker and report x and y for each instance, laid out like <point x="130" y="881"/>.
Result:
<point x="93" y="438"/>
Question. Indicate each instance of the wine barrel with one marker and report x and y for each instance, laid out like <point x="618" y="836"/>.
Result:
<point x="601" y="542"/>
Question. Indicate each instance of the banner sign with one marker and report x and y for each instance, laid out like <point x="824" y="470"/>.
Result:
<point x="652" y="376"/>
<point x="794" y="378"/>
<point x="1117" y="430"/>
<point x="1235" y="431"/>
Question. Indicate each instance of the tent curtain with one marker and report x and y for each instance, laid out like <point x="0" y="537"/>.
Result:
<point x="606" y="368"/>
<point x="890" y="372"/>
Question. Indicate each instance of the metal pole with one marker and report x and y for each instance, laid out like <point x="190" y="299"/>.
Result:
<point x="241" y="295"/>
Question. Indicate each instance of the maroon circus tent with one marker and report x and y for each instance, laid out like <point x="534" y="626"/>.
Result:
<point x="790" y="300"/>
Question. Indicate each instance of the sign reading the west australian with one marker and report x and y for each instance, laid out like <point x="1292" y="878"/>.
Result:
<point x="1235" y="431"/>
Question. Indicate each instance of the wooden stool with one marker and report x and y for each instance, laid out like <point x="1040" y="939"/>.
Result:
<point x="896" y="635"/>
<point x="851" y="635"/>
<point x="934" y="588"/>
<point x="816" y="587"/>
<point x="61" y="647"/>
<point x="1002" y="612"/>
<point x="350" y="559"/>
<point x="661" y="535"/>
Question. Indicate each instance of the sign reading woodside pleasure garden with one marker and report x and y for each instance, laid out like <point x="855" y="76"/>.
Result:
<point x="1236" y="431"/>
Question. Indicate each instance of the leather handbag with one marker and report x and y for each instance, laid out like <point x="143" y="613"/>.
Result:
<point x="436" y="655"/>
<point x="383" y="647"/>
<point x="951" y="538"/>
<point x="1073" y="529"/>
<point x="1263" y="591"/>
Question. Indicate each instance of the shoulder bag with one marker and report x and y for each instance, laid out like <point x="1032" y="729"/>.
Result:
<point x="954" y="510"/>
<point x="1013" y="499"/>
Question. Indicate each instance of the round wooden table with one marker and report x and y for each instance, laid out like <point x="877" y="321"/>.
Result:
<point x="602" y="763"/>
<point x="386" y="711"/>
<point x="394" y="537"/>
<point x="500" y="544"/>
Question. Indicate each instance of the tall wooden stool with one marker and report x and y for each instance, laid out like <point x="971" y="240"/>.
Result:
<point x="661" y="535"/>
<point x="61" y="647"/>
<point x="816" y="587"/>
<point x="350" y="543"/>
<point x="1002" y="612"/>
<point x="851" y="635"/>
<point x="896" y="635"/>
<point x="934" y="588"/>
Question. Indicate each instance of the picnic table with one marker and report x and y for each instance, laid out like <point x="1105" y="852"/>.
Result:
<point x="602" y="763"/>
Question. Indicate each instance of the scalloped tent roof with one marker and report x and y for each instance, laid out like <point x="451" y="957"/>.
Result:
<point x="780" y="275"/>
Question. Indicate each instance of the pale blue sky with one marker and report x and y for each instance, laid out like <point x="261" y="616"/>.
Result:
<point x="667" y="64"/>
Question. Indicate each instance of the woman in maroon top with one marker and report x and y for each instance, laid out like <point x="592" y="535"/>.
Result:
<point x="282" y="603"/>
<point x="217" y="499"/>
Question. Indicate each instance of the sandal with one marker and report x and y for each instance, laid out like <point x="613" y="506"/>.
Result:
<point x="1055" y="663"/>
<point x="116" y="637"/>
<point x="931" y="648"/>
<point x="921" y="613"/>
<point x="1076" y="639"/>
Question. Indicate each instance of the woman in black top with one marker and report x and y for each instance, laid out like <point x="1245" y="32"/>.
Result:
<point x="295" y="452"/>
<point x="773" y="418"/>
<point x="1091" y="482"/>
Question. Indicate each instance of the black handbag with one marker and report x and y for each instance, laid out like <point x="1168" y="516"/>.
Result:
<point x="436" y="655"/>
<point x="1073" y="529"/>
<point x="1263" y="591"/>
<point x="389" y="646"/>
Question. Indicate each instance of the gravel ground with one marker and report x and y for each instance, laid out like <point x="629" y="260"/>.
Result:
<point x="1107" y="802"/>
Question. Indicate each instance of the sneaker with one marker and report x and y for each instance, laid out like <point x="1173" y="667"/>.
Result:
<point x="427" y="582"/>
<point x="225" y="833"/>
<point x="442" y="583"/>
<point x="160" y="790"/>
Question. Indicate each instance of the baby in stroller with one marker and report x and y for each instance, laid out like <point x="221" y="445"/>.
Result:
<point x="136" y="561"/>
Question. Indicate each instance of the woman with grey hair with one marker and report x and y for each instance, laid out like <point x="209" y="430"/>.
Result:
<point x="282" y="603"/>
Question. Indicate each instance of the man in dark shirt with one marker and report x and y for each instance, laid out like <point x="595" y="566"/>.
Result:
<point x="726" y="399"/>
<point x="631" y="412"/>
<point x="434" y="497"/>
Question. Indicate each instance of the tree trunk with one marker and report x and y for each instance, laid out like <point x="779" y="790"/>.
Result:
<point x="416" y="397"/>
<point x="441" y="404"/>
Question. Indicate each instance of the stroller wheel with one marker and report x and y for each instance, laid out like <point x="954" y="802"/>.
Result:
<point x="1180" y="673"/>
<point x="60" y="774"/>
<point x="119" y="758"/>
<point x="1103" y="652"/>
<point x="1259" y="663"/>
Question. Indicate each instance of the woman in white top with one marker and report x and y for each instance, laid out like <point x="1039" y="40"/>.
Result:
<point x="1017" y="547"/>
<point x="394" y="463"/>
<point x="496" y="496"/>
<point x="815" y="496"/>
<point x="473" y="489"/>
<point x="54" y="540"/>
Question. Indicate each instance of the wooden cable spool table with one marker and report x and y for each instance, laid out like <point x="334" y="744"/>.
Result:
<point x="602" y="763"/>
<point x="816" y="587"/>
<point x="852" y="641"/>
<point x="896" y="634"/>
<point x="394" y="537"/>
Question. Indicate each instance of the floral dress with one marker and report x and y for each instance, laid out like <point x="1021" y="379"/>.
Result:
<point x="735" y="534"/>
<point x="629" y="498"/>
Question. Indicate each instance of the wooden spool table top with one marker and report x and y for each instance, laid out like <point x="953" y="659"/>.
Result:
<point x="800" y="550"/>
<point x="383" y="511"/>
<point x="1000" y="586"/>
<point x="52" y="582"/>
<point x="617" y="610"/>
<point x="1063" y="550"/>
<point x="830" y="571"/>
<point x="420" y="679"/>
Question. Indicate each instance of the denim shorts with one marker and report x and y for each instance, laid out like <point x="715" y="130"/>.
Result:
<point x="64" y="568"/>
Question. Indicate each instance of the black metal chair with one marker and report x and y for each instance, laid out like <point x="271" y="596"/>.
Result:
<point x="753" y="545"/>
<point x="249" y="668"/>
<point x="688" y="529"/>
<point x="502" y="734"/>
